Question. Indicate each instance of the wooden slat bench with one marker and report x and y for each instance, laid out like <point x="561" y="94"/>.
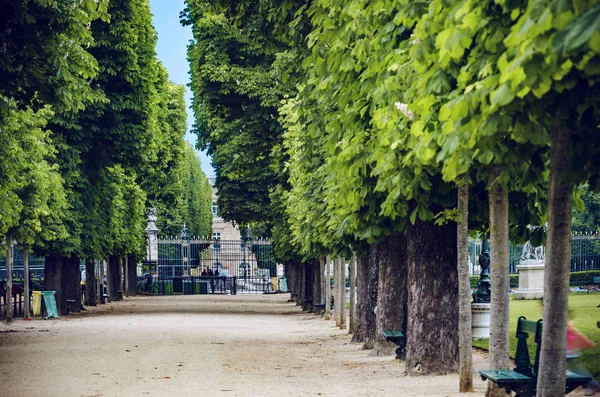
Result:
<point x="523" y="379"/>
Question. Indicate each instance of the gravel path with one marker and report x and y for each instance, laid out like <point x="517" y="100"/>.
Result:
<point x="201" y="345"/>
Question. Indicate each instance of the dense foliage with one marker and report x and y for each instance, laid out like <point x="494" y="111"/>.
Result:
<point x="91" y="131"/>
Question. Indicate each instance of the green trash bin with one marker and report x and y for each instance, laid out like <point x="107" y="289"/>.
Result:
<point x="50" y="302"/>
<point x="169" y="288"/>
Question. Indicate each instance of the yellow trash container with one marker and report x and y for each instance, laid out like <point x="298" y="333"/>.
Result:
<point x="37" y="303"/>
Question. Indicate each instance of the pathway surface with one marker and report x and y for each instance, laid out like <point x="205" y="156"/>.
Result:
<point x="200" y="345"/>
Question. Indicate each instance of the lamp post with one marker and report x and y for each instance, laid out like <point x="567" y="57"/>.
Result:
<point x="482" y="293"/>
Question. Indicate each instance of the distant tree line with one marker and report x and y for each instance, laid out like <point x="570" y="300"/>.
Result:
<point x="91" y="136"/>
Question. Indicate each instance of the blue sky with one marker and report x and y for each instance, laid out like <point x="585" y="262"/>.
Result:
<point x="172" y="52"/>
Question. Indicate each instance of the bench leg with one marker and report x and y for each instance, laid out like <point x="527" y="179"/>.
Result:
<point x="400" y="353"/>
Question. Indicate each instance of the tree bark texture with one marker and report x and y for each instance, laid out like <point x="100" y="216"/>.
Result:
<point x="26" y="291"/>
<point x="114" y="274"/>
<point x="392" y="291"/>
<point x="125" y="276"/>
<point x="9" y="280"/>
<point x="352" y="313"/>
<point x="71" y="281"/>
<point x="316" y="288"/>
<point x="499" y="275"/>
<point x="307" y="304"/>
<point x="327" y="289"/>
<point x="465" y="332"/>
<point x="551" y="379"/>
<point x="302" y="280"/>
<point x="370" y="298"/>
<point x="100" y="280"/>
<point x="90" y="283"/>
<point x="342" y="292"/>
<point x="432" y="326"/>
<point x="132" y="275"/>
<point x="55" y="276"/>
<point x="362" y="282"/>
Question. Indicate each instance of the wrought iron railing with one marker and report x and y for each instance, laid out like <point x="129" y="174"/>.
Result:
<point x="585" y="253"/>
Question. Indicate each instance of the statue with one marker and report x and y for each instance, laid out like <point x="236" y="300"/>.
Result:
<point x="532" y="253"/>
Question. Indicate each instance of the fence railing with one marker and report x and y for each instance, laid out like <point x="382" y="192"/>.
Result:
<point x="36" y="265"/>
<point x="231" y="258"/>
<point x="585" y="253"/>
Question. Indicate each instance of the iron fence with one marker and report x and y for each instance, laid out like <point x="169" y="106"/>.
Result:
<point x="36" y="265"/>
<point x="204" y="257"/>
<point x="199" y="266"/>
<point x="194" y="285"/>
<point x="585" y="253"/>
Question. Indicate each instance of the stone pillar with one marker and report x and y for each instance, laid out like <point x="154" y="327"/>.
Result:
<point x="481" y="307"/>
<point x="531" y="279"/>
<point x="152" y="230"/>
<point x="481" y="313"/>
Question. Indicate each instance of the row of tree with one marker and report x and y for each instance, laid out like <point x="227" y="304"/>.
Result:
<point x="376" y="127"/>
<point x="92" y="135"/>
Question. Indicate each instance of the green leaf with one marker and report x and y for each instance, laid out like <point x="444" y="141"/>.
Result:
<point x="502" y="96"/>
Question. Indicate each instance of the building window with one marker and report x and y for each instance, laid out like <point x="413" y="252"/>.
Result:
<point x="214" y="208"/>
<point x="217" y="236"/>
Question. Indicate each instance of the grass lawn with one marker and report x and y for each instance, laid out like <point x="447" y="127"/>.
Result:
<point x="584" y="313"/>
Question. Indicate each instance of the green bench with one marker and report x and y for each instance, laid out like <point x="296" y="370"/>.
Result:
<point x="321" y="307"/>
<point x="399" y="337"/>
<point x="523" y="379"/>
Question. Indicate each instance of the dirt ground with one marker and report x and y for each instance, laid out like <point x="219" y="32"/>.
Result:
<point x="201" y="345"/>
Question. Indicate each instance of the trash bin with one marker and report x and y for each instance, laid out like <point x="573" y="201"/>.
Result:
<point x="177" y="285"/>
<point x="203" y="288"/>
<point x="37" y="303"/>
<point x="50" y="302"/>
<point x="188" y="287"/>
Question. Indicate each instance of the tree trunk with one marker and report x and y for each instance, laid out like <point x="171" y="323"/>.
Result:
<point x="392" y="292"/>
<point x="132" y="274"/>
<point x="337" y="308"/>
<point x="352" y="314"/>
<point x="100" y="279"/>
<point x="71" y="282"/>
<point x="342" y="292"/>
<point x="307" y="304"/>
<point x="9" y="280"/>
<point x="336" y="291"/>
<point x="551" y="380"/>
<point x="53" y="278"/>
<point x="432" y="326"/>
<point x="465" y="332"/>
<point x="125" y="276"/>
<point x="367" y="297"/>
<point x="114" y="277"/>
<point x="26" y="291"/>
<point x="316" y="295"/>
<point x="90" y="282"/>
<point x="327" y="289"/>
<point x="499" y="275"/>
<point x="302" y="284"/>
<point x="362" y="299"/>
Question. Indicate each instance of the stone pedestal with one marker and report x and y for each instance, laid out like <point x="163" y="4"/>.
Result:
<point x="531" y="279"/>
<point x="481" y="320"/>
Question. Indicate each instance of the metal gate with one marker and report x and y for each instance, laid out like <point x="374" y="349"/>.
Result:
<point x="195" y="266"/>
